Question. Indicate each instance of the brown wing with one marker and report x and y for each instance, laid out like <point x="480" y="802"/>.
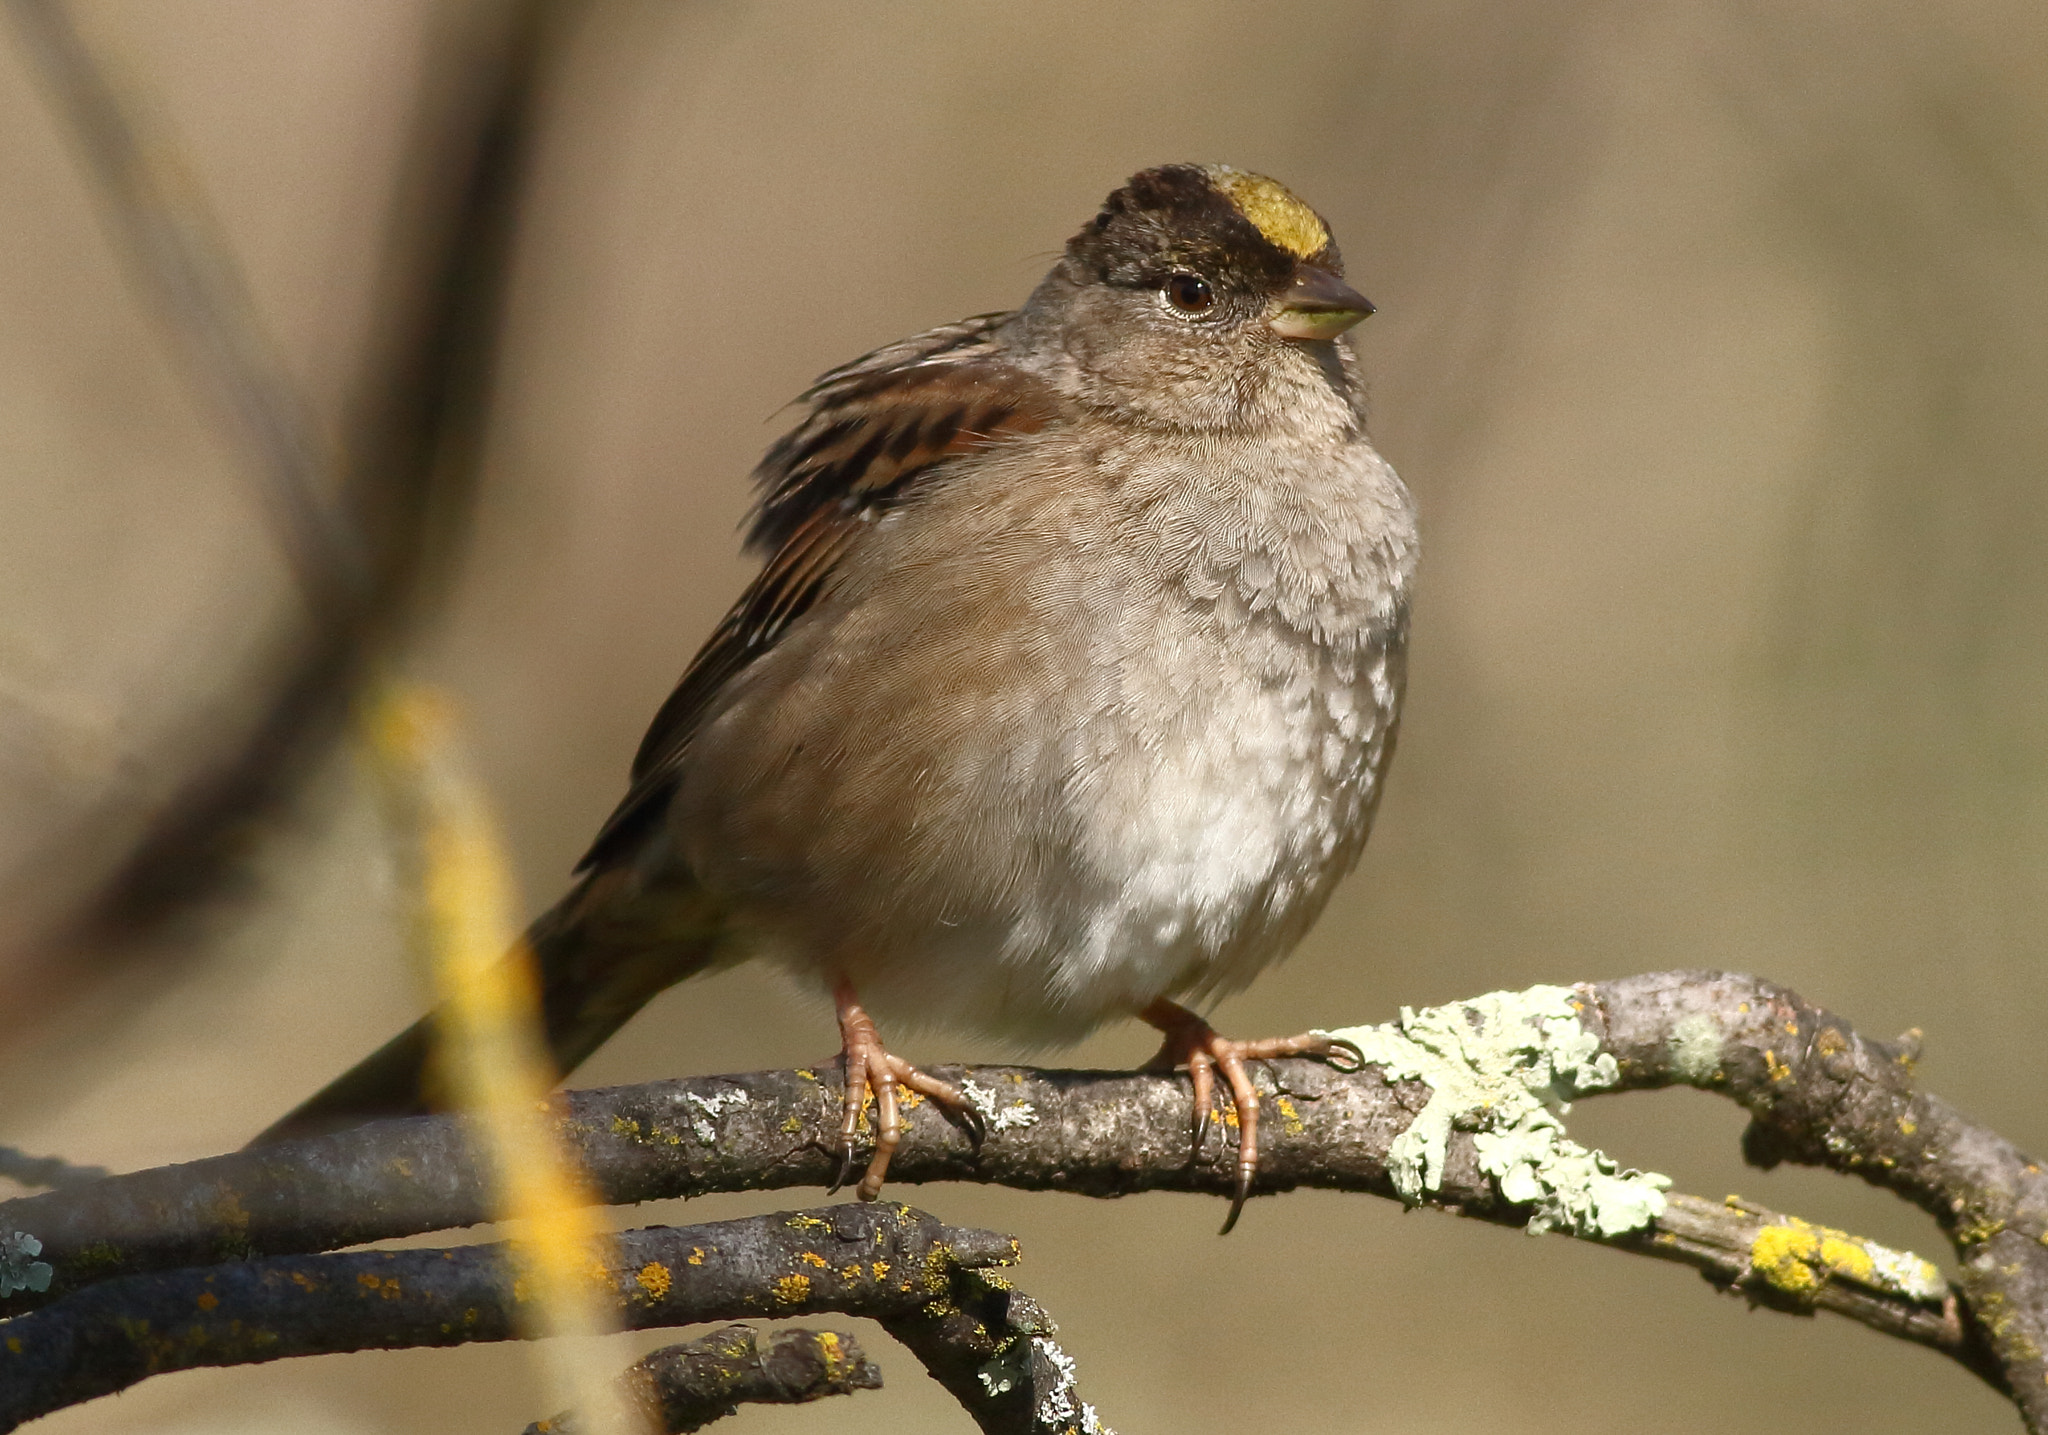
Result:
<point x="877" y="430"/>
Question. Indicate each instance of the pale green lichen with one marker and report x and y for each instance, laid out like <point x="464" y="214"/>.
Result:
<point x="1505" y="1066"/>
<point x="19" y="1268"/>
<point x="1060" y="1406"/>
<point x="994" y="1115"/>
<point x="712" y="1109"/>
<point x="1696" y="1049"/>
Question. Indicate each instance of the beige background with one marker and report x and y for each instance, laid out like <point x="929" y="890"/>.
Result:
<point x="1713" y="340"/>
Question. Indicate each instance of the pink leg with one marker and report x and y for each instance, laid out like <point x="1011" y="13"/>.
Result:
<point x="870" y="1067"/>
<point x="1193" y="1043"/>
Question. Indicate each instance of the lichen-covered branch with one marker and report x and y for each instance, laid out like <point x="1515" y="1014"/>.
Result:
<point x="883" y="1261"/>
<point x="1411" y="1127"/>
<point x="992" y="1346"/>
<point x="1819" y="1094"/>
<point x="683" y="1388"/>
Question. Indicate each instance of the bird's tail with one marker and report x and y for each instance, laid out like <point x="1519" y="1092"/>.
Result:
<point x="602" y="952"/>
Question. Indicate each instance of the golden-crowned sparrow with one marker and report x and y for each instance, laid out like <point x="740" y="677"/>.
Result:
<point x="1065" y="692"/>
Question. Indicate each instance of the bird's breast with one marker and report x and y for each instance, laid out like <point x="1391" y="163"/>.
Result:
<point x="1052" y="752"/>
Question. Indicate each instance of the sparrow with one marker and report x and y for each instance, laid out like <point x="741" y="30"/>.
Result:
<point x="1065" y="692"/>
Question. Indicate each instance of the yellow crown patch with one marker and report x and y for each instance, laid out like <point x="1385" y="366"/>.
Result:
<point x="1272" y="209"/>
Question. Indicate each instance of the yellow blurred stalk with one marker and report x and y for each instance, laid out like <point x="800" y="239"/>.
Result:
<point x="491" y="1061"/>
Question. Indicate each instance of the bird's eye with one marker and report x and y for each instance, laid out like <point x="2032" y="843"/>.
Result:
<point x="1189" y="293"/>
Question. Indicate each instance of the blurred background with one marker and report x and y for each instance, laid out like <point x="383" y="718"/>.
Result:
<point x="1712" y="340"/>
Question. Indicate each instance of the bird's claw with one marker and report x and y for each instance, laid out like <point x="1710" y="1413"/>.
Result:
<point x="1193" y="1043"/>
<point x="845" y="1172"/>
<point x="869" y="1067"/>
<point x="1203" y="1115"/>
<point x="1343" y="1056"/>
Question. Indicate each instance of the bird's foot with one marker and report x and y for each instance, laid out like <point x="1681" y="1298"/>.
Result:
<point x="870" y="1068"/>
<point x="1193" y="1043"/>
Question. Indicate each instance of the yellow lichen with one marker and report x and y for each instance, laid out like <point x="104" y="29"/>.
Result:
<point x="696" y="1257"/>
<point x="1909" y="1053"/>
<point x="1290" y="1118"/>
<point x="1978" y="1231"/>
<point x="1798" y="1258"/>
<point x="654" y="1279"/>
<point x="1777" y="1069"/>
<point x="793" y="1290"/>
<point x="208" y="1300"/>
<point x="1907" y="1126"/>
<point x="226" y="1208"/>
<point x="880" y="1269"/>
<point x="1793" y="1260"/>
<point x="812" y="1258"/>
<point x="97" y="1255"/>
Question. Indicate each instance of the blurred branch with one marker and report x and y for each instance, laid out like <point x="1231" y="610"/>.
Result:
<point x="1819" y="1094"/>
<point x="45" y="1171"/>
<point x="882" y="1261"/>
<point x="681" y="1388"/>
<point x="489" y="1047"/>
<point x="184" y="266"/>
<point x="357" y="520"/>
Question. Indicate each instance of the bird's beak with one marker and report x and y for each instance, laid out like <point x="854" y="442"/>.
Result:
<point x="1317" y="305"/>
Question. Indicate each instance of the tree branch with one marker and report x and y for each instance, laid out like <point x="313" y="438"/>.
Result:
<point x="683" y="1388"/>
<point x="1819" y="1094"/>
<point x="882" y="1261"/>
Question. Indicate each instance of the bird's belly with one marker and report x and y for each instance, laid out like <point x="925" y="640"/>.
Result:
<point x="1229" y="821"/>
<point x="1204" y="820"/>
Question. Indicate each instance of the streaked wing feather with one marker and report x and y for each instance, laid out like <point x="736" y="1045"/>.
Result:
<point x="877" y="430"/>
